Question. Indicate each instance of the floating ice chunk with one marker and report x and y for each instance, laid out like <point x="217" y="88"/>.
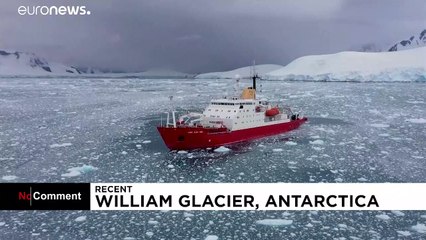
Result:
<point x="2" y="224"/>
<point x="186" y="214"/>
<point x="317" y="142"/>
<point x="124" y="152"/>
<point x="9" y="178"/>
<point x="149" y="234"/>
<point x="274" y="222"/>
<point x="361" y="179"/>
<point x="80" y="219"/>
<point x="76" y="171"/>
<point x="277" y="150"/>
<point x="58" y="145"/>
<point x="341" y="225"/>
<point x="291" y="143"/>
<point x="338" y="180"/>
<point x="211" y="237"/>
<point x="309" y="225"/>
<point x="398" y="213"/>
<point x="416" y="120"/>
<point x="420" y="228"/>
<point x="383" y="217"/>
<point x="170" y="166"/>
<point x="379" y="125"/>
<point x="404" y="233"/>
<point x="152" y="222"/>
<point x="146" y="141"/>
<point x="222" y="149"/>
<point x="182" y="152"/>
<point x="129" y="238"/>
<point x="138" y="145"/>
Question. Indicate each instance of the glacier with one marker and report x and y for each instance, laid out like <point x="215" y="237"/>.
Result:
<point x="243" y="72"/>
<point x="401" y="66"/>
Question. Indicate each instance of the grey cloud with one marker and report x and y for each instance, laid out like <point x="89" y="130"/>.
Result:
<point x="199" y="35"/>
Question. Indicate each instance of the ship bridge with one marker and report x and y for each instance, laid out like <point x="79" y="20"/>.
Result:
<point x="233" y="113"/>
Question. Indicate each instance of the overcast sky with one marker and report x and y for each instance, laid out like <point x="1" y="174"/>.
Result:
<point x="201" y="36"/>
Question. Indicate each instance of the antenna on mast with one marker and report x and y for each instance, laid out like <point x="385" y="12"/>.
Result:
<point x="254" y="75"/>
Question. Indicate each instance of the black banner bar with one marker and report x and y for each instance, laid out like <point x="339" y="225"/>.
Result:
<point x="44" y="196"/>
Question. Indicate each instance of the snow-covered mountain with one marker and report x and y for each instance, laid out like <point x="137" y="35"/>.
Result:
<point x="22" y="63"/>
<point x="243" y="72"/>
<point x="408" y="65"/>
<point x="412" y="42"/>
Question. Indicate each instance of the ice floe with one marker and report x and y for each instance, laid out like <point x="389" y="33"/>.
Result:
<point x="416" y="120"/>
<point x="146" y="141"/>
<point x="76" y="171"/>
<point x="379" y="125"/>
<point x="275" y="222"/>
<point x="420" y="228"/>
<point x="317" y="142"/>
<point x="277" y="150"/>
<point x="9" y="178"/>
<point x="383" y="217"/>
<point x="404" y="233"/>
<point x="58" y="145"/>
<point x="211" y="237"/>
<point x="291" y="143"/>
<point x="222" y="149"/>
<point x="80" y="219"/>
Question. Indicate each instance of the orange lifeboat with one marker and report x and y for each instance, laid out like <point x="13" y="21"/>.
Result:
<point x="272" y="112"/>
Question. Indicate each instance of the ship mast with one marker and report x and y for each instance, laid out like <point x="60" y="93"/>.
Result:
<point x="254" y="75"/>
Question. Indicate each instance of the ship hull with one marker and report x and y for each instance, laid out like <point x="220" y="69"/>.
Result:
<point x="189" y="138"/>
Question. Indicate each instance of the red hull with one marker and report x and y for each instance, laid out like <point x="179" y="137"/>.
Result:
<point x="188" y="138"/>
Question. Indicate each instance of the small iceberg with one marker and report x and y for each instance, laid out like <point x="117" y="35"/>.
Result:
<point x="77" y="171"/>
<point x="222" y="149"/>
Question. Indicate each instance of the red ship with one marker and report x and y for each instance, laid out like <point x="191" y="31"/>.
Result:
<point x="227" y="121"/>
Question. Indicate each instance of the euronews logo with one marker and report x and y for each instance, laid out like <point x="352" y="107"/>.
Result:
<point x="53" y="10"/>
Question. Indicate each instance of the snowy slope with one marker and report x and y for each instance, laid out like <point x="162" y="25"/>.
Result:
<point x="412" y="42"/>
<point x="408" y="65"/>
<point x="21" y="63"/>
<point x="164" y="73"/>
<point x="240" y="72"/>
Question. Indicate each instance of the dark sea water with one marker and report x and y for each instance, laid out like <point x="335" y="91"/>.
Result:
<point x="103" y="130"/>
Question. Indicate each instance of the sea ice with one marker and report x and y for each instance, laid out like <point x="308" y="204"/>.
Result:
<point x="211" y="237"/>
<point x="58" y="145"/>
<point x="222" y="149"/>
<point x="383" y="217"/>
<point x="317" y="142"/>
<point x="379" y="125"/>
<point x="416" y="120"/>
<point x="146" y="141"/>
<point x="420" y="228"/>
<point x="404" y="233"/>
<point x="9" y="178"/>
<point x="291" y="143"/>
<point x="76" y="171"/>
<point x="277" y="150"/>
<point x="274" y="222"/>
<point x="398" y="213"/>
<point x="80" y="219"/>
